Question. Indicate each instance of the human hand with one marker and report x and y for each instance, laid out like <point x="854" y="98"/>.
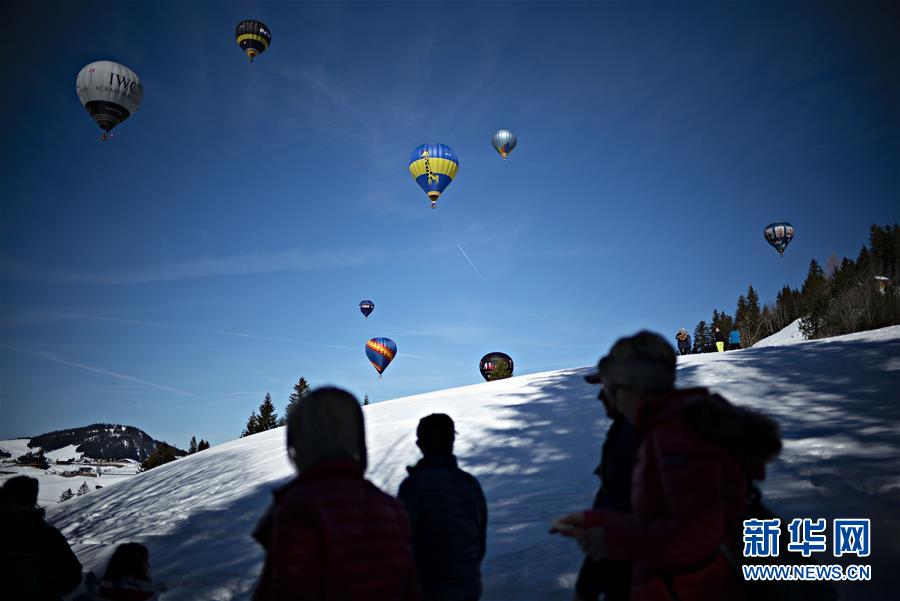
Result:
<point x="569" y="525"/>
<point x="593" y="542"/>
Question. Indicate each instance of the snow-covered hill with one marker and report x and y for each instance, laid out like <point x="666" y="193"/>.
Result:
<point x="533" y="441"/>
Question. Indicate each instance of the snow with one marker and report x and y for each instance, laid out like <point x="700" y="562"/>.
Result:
<point x="16" y="446"/>
<point x="64" y="454"/>
<point x="533" y="442"/>
<point x="789" y="335"/>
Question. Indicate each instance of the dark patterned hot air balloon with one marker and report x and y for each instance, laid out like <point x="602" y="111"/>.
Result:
<point x="504" y="141"/>
<point x="110" y="92"/>
<point x="433" y="166"/>
<point x="381" y="351"/>
<point x="366" y="307"/>
<point x="496" y="366"/>
<point x="253" y="37"/>
<point x="779" y="235"/>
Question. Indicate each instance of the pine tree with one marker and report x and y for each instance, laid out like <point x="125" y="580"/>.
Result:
<point x="366" y="399"/>
<point x="301" y="389"/>
<point x="162" y="454"/>
<point x="501" y="370"/>
<point x="265" y="420"/>
<point x="66" y="495"/>
<point x="202" y="446"/>
<point x="252" y="426"/>
<point x="752" y="318"/>
<point x="192" y="448"/>
<point x="702" y="339"/>
<point x="815" y="299"/>
<point x="83" y="489"/>
<point x="268" y="419"/>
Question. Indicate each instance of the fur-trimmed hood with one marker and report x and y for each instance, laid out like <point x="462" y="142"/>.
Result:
<point x="752" y="437"/>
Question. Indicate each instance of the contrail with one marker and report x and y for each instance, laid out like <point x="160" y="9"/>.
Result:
<point x="470" y="261"/>
<point x="119" y="376"/>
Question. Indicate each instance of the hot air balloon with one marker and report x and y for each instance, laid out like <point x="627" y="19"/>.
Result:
<point x="253" y="37"/>
<point x="504" y="141"/>
<point x="381" y="352"/>
<point x="433" y="166"/>
<point x="366" y="307"/>
<point x="779" y="235"/>
<point x="496" y="366"/>
<point x="110" y="92"/>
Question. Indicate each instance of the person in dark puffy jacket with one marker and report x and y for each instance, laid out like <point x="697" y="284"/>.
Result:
<point x="695" y="453"/>
<point x="331" y="535"/>
<point x="36" y="562"/>
<point x="684" y="342"/>
<point x="448" y="513"/>
<point x="609" y="577"/>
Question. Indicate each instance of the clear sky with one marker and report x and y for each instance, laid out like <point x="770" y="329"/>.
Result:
<point x="218" y="246"/>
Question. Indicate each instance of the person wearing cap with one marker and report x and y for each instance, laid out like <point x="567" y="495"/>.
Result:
<point x="36" y="562"/>
<point x="608" y="577"/>
<point x="448" y="512"/>
<point x="719" y="337"/>
<point x="692" y="461"/>
<point x="684" y="342"/>
<point x="331" y="535"/>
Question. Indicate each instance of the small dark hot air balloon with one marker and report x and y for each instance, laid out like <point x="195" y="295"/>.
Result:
<point x="496" y="366"/>
<point x="779" y="235"/>
<point x="366" y="307"/>
<point x="253" y="37"/>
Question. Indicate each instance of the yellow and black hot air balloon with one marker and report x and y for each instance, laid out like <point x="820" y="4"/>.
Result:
<point x="253" y="37"/>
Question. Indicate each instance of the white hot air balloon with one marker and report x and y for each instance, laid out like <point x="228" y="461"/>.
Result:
<point x="110" y="92"/>
<point x="504" y="141"/>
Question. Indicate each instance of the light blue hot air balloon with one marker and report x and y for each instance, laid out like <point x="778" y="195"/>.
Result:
<point x="433" y="166"/>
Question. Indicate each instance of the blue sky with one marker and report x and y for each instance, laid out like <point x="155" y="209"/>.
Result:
<point x="217" y="248"/>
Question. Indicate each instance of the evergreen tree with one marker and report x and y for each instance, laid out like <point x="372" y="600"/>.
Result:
<point x="162" y="454"/>
<point x="83" y="489"/>
<point x="702" y="342"/>
<point x="815" y="299"/>
<point x="265" y="420"/>
<point x="301" y="389"/>
<point x="366" y="399"/>
<point x="66" y="495"/>
<point x="501" y="370"/>
<point x="752" y="319"/>
<point x="202" y="446"/>
<point x="192" y="448"/>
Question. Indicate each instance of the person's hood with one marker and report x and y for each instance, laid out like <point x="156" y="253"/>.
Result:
<point x="753" y="438"/>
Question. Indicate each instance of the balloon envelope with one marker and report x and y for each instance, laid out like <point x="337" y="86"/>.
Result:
<point x="496" y="366"/>
<point x="110" y="92"/>
<point x="779" y="234"/>
<point x="381" y="351"/>
<point x="253" y="37"/>
<point x="433" y="166"/>
<point x="366" y="307"/>
<point x="504" y="141"/>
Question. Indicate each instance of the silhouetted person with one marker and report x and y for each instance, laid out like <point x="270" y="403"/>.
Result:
<point x="694" y="455"/>
<point x="36" y="562"/>
<point x="127" y="577"/>
<point x="331" y="535"/>
<point x="448" y="513"/>
<point x="609" y="577"/>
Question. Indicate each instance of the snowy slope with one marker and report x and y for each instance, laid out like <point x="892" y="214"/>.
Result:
<point x="533" y="441"/>
<point x="789" y="335"/>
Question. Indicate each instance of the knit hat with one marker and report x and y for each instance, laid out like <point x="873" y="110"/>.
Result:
<point x="326" y="424"/>
<point x="645" y="361"/>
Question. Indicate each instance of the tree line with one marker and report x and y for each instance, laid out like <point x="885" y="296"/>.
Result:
<point x="847" y="296"/>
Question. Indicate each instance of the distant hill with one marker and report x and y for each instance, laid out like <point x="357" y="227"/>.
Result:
<point x="101" y="441"/>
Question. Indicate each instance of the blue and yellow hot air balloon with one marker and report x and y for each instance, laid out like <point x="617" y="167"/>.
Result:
<point x="381" y="351"/>
<point x="433" y="166"/>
